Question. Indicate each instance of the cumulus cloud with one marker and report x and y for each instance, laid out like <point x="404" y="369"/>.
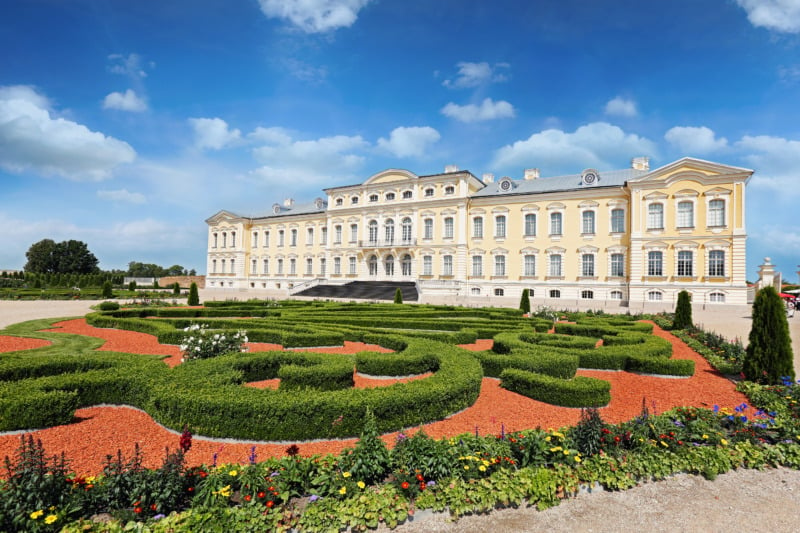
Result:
<point x="775" y="160"/>
<point x="213" y="133"/>
<point x="121" y="196"/>
<point x="127" y="101"/>
<point x="621" y="107"/>
<point x="695" y="140"/>
<point x="409" y="141"/>
<point x="31" y="139"/>
<point x="310" y="161"/>
<point x="487" y="110"/>
<point x="315" y="16"/>
<point x="777" y="15"/>
<point x="598" y="144"/>
<point x="475" y="74"/>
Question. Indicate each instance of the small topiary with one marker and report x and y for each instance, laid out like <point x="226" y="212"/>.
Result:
<point x="176" y="288"/>
<point x="108" y="306"/>
<point x="107" y="290"/>
<point x="769" y="357"/>
<point x="525" y="302"/>
<point x="398" y="296"/>
<point x="683" y="311"/>
<point x="132" y="286"/>
<point x="194" y="297"/>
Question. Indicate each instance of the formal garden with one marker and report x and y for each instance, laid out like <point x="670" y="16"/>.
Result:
<point x="316" y="416"/>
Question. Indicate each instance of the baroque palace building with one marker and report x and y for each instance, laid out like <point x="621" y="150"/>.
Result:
<point x="625" y="238"/>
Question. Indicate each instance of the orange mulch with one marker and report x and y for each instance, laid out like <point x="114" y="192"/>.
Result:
<point x="13" y="344"/>
<point x="98" y="431"/>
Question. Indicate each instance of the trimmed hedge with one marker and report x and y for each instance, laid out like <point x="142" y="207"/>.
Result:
<point x="577" y="392"/>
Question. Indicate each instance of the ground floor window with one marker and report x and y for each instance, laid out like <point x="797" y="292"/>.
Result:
<point x="499" y="292"/>
<point x="716" y="297"/>
<point x="615" y="295"/>
<point x="475" y="291"/>
<point x="555" y="293"/>
<point x="587" y="295"/>
<point x="655" y="296"/>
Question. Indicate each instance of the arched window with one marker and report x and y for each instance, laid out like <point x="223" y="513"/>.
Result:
<point x="389" y="230"/>
<point x="685" y="263"/>
<point x="716" y="213"/>
<point x="716" y="263"/>
<point x="655" y="263"/>
<point x="615" y="295"/>
<point x="373" y="198"/>
<point x="373" y="265"/>
<point x="429" y="192"/>
<point x="499" y="292"/>
<point x="213" y="266"/>
<point x="354" y="200"/>
<point x="406" y="225"/>
<point x="655" y="216"/>
<point x="388" y="265"/>
<point x="587" y="265"/>
<point x="685" y="214"/>
<point x="389" y="196"/>
<point x="716" y="297"/>
<point x="373" y="231"/>
<point x="475" y="291"/>
<point x="405" y="265"/>
<point x="255" y="239"/>
<point x="309" y="266"/>
<point x="555" y="293"/>
<point x="449" y="189"/>
<point x="655" y="296"/>
<point x="293" y="238"/>
<point x="407" y="195"/>
<point x="428" y="228"/>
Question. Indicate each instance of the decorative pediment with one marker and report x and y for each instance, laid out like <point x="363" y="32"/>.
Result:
<point x="529" y="250"/>
<point x="499" y="251"/>
<point x="391" y="175"/>
<point x="690" y="168"/>
<point x="221" y="217"/>
<point x="555" y="250"/>
<point x="529" y="208"/>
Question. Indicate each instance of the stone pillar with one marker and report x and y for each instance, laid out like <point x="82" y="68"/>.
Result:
<point x="766" y="274"/>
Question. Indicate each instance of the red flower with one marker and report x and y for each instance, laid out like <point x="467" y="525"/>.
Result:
<point x="261" y="494"/>
<point x="190" y="489"/>
<point x="270" y="504"/>
<point x="153" y="506"/>
<point x="422" y="485"/>
<point x="420" y="478"/>
<point x="137" y="510"/>
<point x="404" y="484"/>
<point x="203" y="473"/>
<point x="248" y="498"/>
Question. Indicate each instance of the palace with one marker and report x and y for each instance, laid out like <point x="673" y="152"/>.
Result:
<point x="629" y="238"/>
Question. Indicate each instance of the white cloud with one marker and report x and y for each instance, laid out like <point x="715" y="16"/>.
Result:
<point x="621" y="107"/>
<point x="305" y="71"/>
<point x="778" y="15"/>
<point x="313" y="162"/>
<point x="409" y="141"/>
<point x="122" y="196"/>
<point x="32" y="140"/>
<point x="213" y="133"/>
<point x="315" y="16"/>
<point x="775" y="161"/>
<point x="130" y="65"/>
<point x="487" y="110"/>
<point x="598" y="144"/>
<point x="475" y="74"/>
<point x="695" y="140"/>
<point x="127" y="101"/>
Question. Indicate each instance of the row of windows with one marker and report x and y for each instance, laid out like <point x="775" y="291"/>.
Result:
<point x="390" y="196"/>
<point x="685" y="263"/>
<point x="685" y="215"/>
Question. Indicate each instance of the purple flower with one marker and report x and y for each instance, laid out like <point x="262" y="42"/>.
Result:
<point x="252" y="456"/>
<point x="275" y="474"/>
<point x="431" y="483"/>
<point x="159" y="516"/>
<point x="214" y="459"/>
<point x="313" y="498"/>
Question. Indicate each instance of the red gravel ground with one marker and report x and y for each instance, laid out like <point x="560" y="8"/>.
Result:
<point x="98" y="431"/>
<point x="13" y="344"/>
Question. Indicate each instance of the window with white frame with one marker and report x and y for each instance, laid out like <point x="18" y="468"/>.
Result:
<point x="449" y="190"/>
<point x="447" y="265"/>
<point x="500" y="227"/>
<point x="266" y="239"/>
<point x="655" y="263"/>
<point x="448" y="228"/>
<point x="323" y="240"/>
<point x="405" y="265"/>
<point x="685" y="263"/>
<point x="499" y="292"/>
<point x="388" y="265"/>
<point x="293" y="238"/>
<point x="655" y="216"/>
<point x="427" y="265"/>
<point x="281" y="235"/>
<point x="685" y="214"/>
<point x="265" y="266"/>
<point x="354" y="200"/>
<point x="353" y="265"/>
<point x="427" y="226"/>
<point x="255" y="239"/>
<point x="716" y="263"/>
<point x="587" y="265"/>
<point x="615" y="295"/>
<point x="323" y="264"/>
<point x="529" y="265"/>
<point x="213" y="266"/>
<point x="389" y="196"/>
<point x="224" y="239"/>
<point x="215" y="240"/>
<point x="353" y="233"/>
<point x="372" y="231"/>
<point x="309" y="236"/>
<point x="388" y="230"/>
<point x="373" y="198"/>
<point x="556" y="223"/>
<point x="716" y="213"/>
<point x="372" y="265"/>
<point x="555" y="293"/>
<point x="406" y="229"/>
<point x="280" y="267"/>
<point x="233" y="266"/>
<point x="617" y="220"/>
<point x="716" y="298"/>
<point x="655" y="296"/>
<point x="222" y="263"/>
<point x="292" y="267"/>
<point x="617" y="265"/>
<point x="337" y="266"/>
<point x="407" y="195"/>
<point x="530" y="224"/>
<point x="339" y="201"/>
<point x="477" y="228"/>
<point x="309" y="266"/>
<point x="587" y="295"/>
<point x="587" y="223"/>
<point x="337" y="234"/>
<point x="477" y="265"/>
<point x="475" y="291"/>
<point x="233" y="239"/>
<point x="499" y="265"/>
<point x="253" y="266"/>
<point x="429" y="192"/>
<point x="555" y="265"/>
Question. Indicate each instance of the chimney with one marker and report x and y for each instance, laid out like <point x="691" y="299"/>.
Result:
<point x="488" y="178"/>
<point x="640" y="163"/>
<point x="449" y="169"/>
<point x="289" y="202"/>
<point x="531" y="173"/>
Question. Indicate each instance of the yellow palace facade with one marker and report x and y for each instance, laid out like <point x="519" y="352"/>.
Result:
<point x="626" y="238"/>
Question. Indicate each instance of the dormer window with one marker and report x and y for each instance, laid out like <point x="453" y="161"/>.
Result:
<point x="373" y="198"/>
<point x="354" y="200"/>
<point x="449" y="190"/>
<point x="429" y="192"/>
<point x="407" y="195"/>
<point x="339" y="201"/>
<point x="390" y="196"/>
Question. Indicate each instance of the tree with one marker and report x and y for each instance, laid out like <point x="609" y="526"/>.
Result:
<point x="769" y="352"/>
<point x="67" y="257"/>
<point x="132" y="286"/>
<point x="398" y="296"/>
<point x="194" y="298"/>
<point x="107" y="292"/>
<point x="683" y="311"/>
<point x="525" y="302"/>
<point x="176" y="288"/>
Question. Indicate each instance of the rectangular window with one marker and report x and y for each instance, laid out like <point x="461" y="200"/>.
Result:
<point x="617" y="221"/>
<point x="309" y="236"/>
<point x="280" y="267"/>
<point x="280" y="237"/>
<point x="353" y="233"/>
<point x="617" y="265"/>
<point x="587" y="265"/>
<point x="716" y="213"/>
<point x="685" y="214"/>
<point x="555" y="223"/>
<point x="428" y="228"/>
<point x="213" y="266"/>
<point x="293" y="241"/>
<point x="265" y="266"/>
<point x="255" y="239"/>
<point x="499" y="265"/>
<point x="477" y="265"/>
<point x="685" y="263"/>
<point x="655" y="263"/>
<point x="448" y="228"/>
<point x="322" y="266"/>
<point x="352" y="261"/>
<point x="337" y="234"/>
<point x="215" y="240"/>
<point x="477" y="228"/>
<point x="529" y="265"/>
<point x="500" y="227"/>
<point x="447" y="265"/>
<point x="324" y="237"/>
<point x="253" y="267"/>
<point x="655" y="216"/>
<point x="555" y="265"/>
<point x="292" y="267"/>
<point x="266" y="239"/>
<point x="587" y="227"/>
<point x="427" y="265"/>
<point x="337" y="266"/>
<point x="716" y="263"/>
<point x="530" y="225"/>
<point x="309" y="266"/>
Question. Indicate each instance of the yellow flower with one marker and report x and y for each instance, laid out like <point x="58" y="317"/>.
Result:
<point x="361" y="484"/>
<point x="566" y="452"/>
<point x="577" y="459"/>
<point x="723" y="442"/>
<point x="705" y="436"/>
<point x="485" y="462"/>
<point x="466" y="467"/>
<point x="224" y="491"/>
<point x="547" y="438"/>
<point x="50" y="519"/>
<point x="482" y="468"/>
<point x="664" y="444"/>
<point x="555" y="449"/>
<point x="233" y="473"/>
<point x="36" y="514"/>
<point x="557" y="434"/>
<point x="346" y="474"/>
<point x="343" y="490"/>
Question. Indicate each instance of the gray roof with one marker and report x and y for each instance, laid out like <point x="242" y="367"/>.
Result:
<point x="571" y="182"/>
<point x="306" y="208"/>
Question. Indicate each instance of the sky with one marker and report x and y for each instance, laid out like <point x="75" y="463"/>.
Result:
<point x="126" y="124"/>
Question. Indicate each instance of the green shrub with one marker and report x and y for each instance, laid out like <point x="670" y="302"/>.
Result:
<point x="769" y="355"/>
<point x="398" y="296"/>
<point x="683" y="311"/>
<point x="107" y="290"/>
<point x="194" y="297"/>
<point x="525" y="302"/>
<point x="108" y="306"/>
<point x="577" y="392"/>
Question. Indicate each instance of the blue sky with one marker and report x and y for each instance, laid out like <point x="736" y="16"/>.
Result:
<point x="127" y="124"/>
